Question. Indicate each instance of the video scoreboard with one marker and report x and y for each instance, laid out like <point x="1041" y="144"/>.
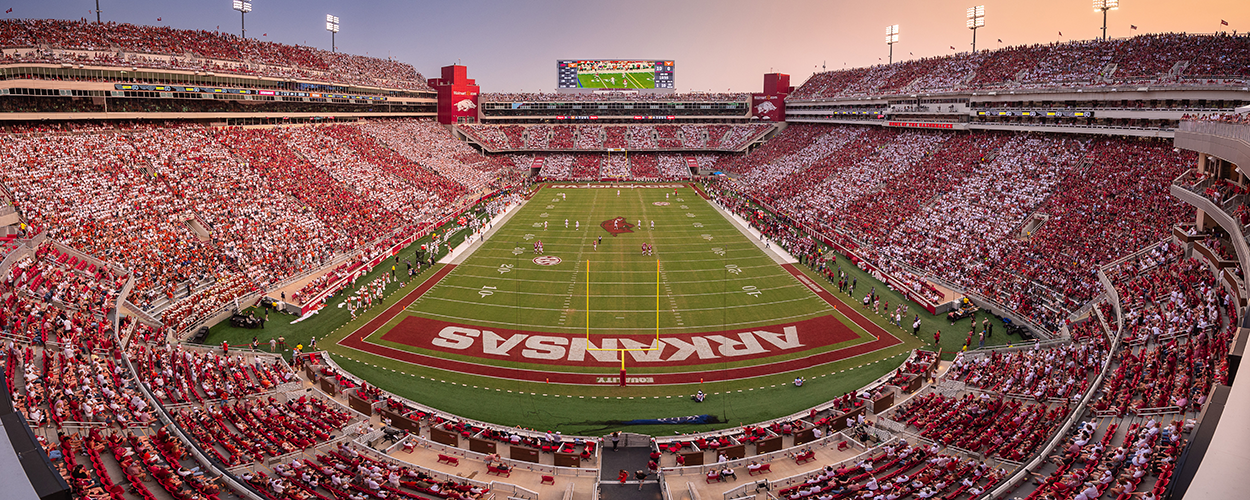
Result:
<point x="614" y="74"/>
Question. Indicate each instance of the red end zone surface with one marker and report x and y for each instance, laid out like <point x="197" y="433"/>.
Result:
<point x="699" y="351"/>
<point x="576" y="350"/>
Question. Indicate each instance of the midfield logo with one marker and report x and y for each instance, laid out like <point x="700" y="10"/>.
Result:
<point x="617" y="226"/>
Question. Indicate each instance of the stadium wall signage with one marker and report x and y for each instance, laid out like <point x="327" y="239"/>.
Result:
<point x="922" y="125"/>
<point x="616" y="186"/>
<point x="576" y="350"/>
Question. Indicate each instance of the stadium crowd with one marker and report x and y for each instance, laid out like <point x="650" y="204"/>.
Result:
<point x="632" y="137"/>
<point x="160" y="47"/>
<point x="1020" y="202"/>
<point x="201" y="216"/>
<point x="1155" y="58"/>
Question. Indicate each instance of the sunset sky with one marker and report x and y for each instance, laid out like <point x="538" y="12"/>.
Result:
<point x="718" y="45"/>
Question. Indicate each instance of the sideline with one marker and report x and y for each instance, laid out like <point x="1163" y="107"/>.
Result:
<point x="776" y="253"/>
<point x="462" y="252"/>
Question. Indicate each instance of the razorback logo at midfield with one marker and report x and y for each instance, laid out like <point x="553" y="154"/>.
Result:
<point x="566" y="349"/>
<point x="617" y="226"/>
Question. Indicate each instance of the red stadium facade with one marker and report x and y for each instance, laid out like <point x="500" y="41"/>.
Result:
<point x="457" y="96"/>
<point x="770" y="105"/>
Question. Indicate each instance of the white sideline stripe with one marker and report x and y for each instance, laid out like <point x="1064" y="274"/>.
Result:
<point x="777" y="254"/>
<point x="524" y="308"/>
<point x="458" y="255"/>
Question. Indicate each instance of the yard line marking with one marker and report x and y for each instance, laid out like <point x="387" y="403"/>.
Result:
<point x="557" y="328"/>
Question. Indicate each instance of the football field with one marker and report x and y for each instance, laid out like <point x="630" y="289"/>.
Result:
<point x="631" y="80"/>
<point x="583" y="281"/>
<point x="710" y="308"/>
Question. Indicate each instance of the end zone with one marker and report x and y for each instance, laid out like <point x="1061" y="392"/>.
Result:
<point x="358" y="340"/>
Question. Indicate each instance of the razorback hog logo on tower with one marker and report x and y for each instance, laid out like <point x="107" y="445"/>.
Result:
<point x="465" y="105"/>
<point x="617" y="226"/>
<point x="765" y="108"/>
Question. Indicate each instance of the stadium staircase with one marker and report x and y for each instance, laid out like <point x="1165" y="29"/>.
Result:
<point x="1177" y="70"/>
<point x="632" y="455"/>
<point x="1105" y="75"/>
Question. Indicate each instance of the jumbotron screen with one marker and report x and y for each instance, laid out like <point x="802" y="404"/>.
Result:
<point x="614" y="74"/>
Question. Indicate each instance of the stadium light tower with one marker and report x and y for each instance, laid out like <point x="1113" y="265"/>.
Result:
<point x="243" y="6"/>
<point x="332" y="25"/>
<point x="976" y="19"/>
<point x="891" y="38"/>
<point x="1104" y="6"/>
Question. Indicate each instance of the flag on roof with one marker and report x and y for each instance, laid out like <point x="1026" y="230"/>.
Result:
<point x="1000" y="40"/>
<point x="953" y="47"/>
<point x="1133" y="26"/>
<point x="1225" y="23"/>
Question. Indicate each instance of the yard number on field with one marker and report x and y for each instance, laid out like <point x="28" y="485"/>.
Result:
<point x="733" y="269"/>
<point x="504" y="268"/>
<point x="751" y="290"/>
<point x="490" y="290"/>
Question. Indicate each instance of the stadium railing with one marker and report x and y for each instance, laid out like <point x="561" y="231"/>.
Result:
<point x="1236" y="131"/>
<point x="799" y="478"/>
<point x="329" y="362"/>
<point x="239" y="487"/>
<point x="1022" y="474"/>
<point x="824" y="442"/>
<point x="1193" y="195"/>
<point x="515" y="464"/>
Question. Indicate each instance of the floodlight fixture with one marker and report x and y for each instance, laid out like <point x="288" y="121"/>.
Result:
<point x="976" y="19"/>
<point x="332" y="25"/>
<point x="243" y="6"/>
<point x="1104" y="6"/>
<point x="891" y="38"/>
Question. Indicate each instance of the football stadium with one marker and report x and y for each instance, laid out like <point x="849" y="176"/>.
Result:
<point x="241" y="267"/>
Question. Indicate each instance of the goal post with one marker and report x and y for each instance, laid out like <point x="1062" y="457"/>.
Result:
<point x="655" y="344"/>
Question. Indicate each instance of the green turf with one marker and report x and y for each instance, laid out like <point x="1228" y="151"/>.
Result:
<point x="708" y="275"/>
<point x="630" y="80"/>
<point x="512" y="403"/>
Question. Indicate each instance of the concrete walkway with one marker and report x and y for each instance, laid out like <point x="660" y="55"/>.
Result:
<point x="462" y="252"/>
<point x="776" y="253"/>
